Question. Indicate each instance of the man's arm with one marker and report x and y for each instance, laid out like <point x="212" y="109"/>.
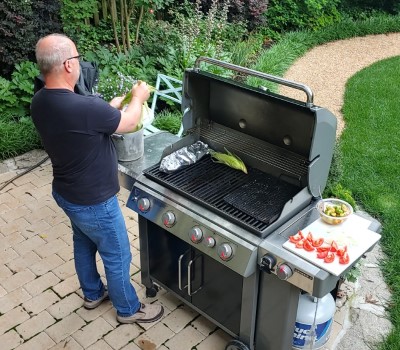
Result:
<point x="131" y="116"/>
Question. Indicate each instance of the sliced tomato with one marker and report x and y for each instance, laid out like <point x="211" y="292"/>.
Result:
<point x="329" y="257"/>
<point x="317" y="242"/>
<point x="342" y="251"/>
<point x="299" y="244"/>
<point x="296" y="238"/>
<point x="310" y="237"/>
<point x="334" y="246"/>
<point x="344" y="260"/>
<point x="323" y="249"/>
<point x="307" y="245"/>
<point x="322" y="255"/>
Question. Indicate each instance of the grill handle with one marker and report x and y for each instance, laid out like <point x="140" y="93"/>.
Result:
<point x="180" y="270"/>
<point x="274" y="79"/>
<point x="190" y="292"/>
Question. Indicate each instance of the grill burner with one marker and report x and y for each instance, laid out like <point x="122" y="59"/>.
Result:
<point x="252" y="200"/>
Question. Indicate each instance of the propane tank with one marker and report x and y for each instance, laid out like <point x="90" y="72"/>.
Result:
<point x="313" y="321"/>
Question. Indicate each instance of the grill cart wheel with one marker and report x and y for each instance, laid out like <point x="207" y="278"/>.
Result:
<point x="152" y="291"/>
<point x="236" y="345"/>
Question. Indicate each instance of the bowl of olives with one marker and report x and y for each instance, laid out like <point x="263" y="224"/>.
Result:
<point x="334" y="211"/>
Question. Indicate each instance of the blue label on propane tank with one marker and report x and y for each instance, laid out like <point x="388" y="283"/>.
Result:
<point x="302" y="336"/>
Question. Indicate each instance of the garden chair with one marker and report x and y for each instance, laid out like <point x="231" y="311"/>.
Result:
<point x="170" y="88"/>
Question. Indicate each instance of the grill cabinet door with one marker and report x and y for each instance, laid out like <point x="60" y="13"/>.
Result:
<point x="169" y="257"/>
<point x="213" y="289"/>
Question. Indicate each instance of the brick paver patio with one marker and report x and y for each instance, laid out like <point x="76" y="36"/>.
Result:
<point x="40" y="299"/>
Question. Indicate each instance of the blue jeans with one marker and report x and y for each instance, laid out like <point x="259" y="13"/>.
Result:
<point x="101" y="228"/>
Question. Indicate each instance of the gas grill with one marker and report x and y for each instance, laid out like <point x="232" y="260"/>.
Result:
<point x="213" y="236"/>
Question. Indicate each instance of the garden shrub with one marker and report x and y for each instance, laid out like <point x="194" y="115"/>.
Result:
<point x="16" y="94"/>
<point x="21" y="25"/>
<point x="250" y="12"/>
<point x="362" y="8"/>
<point x="295" y="15"/>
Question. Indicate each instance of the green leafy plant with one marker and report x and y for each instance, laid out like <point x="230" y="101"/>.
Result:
<point x="133" y="64"/>
<point x="338" y="191"/>
<point x="353" y="274"/>
<point x="113" y="85"/>
<point x="74" y="14"/>
<point x="168" y="121"/>
<point x="17" y="137"/>
<point x="8" y="99"/>
<point x="16" y="95"/>
<point x="293" y="15"/>
<point x="22" y="79"/>
<point x="202" y="34"/>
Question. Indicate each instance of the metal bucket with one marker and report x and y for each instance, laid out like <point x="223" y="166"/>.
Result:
<point x="129" y="146"/>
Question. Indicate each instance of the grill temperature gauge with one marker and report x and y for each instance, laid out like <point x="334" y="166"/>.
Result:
<point x="225" y="251"/>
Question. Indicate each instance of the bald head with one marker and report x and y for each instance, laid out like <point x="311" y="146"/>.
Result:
<point x="51" y="51"/>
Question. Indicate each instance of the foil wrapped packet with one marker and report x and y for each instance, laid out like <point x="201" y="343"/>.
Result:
<point x="183" y="157"/>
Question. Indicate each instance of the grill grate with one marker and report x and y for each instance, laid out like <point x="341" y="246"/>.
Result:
<point x="253" y="201"/>
<point x="262" y="199"/>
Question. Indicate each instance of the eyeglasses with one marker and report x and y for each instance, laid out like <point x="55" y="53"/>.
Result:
<point x="70" y="58"/>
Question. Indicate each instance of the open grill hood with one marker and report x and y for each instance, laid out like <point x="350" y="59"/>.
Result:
<point x="286" y="144"/>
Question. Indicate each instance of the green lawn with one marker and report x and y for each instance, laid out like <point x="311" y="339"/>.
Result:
<point x="370" y="148"/>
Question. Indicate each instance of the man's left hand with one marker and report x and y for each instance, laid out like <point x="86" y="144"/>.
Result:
<point x="116" y="102"/>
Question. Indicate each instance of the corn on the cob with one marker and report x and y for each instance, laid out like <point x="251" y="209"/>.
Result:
<point x="128" y="96"/>
<point x="229" y="159"/>
<point x="145" y="107"/>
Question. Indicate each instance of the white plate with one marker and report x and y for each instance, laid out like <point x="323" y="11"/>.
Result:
<point x="353" y="232"/>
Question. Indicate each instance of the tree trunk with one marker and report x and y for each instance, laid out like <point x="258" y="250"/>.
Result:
<point x="128" y="16"/>
<point x="122" y="5"/>
<point x="96" y="16"/>
<point x="138" y="24"/>
<point x="104" y="9"/>
<point x="114" y="19"/>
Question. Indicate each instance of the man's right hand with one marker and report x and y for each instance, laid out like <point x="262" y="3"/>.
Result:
<point x="131" y="116"/>
<point x="141" y="91"/>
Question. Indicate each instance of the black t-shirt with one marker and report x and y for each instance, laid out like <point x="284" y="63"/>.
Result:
<point x="75" y="132"/>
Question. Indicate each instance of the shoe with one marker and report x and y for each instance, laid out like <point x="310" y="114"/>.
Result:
<point x="147" y="313"/>
<point x="92" y="304"/>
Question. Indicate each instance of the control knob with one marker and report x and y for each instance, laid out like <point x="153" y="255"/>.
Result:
<point x="143" y="204"/>
<point x="196" y="234"/>
<point x="284" y="272"/>
<point x="268" y="263"/>
<point x="209" y="242"/>
<point x="225" y="251"/>
<point x="169" y="219"/>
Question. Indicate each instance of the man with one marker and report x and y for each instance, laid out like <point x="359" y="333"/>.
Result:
<point x="75" y="131"/>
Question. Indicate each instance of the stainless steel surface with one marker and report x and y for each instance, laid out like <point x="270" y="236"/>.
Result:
<point x="243" y="245"/>
<point x="275" y="79"/>
<point x="154" y="146"/>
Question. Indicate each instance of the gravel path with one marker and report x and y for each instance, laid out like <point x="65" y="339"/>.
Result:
<point x="326" y="68"/>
